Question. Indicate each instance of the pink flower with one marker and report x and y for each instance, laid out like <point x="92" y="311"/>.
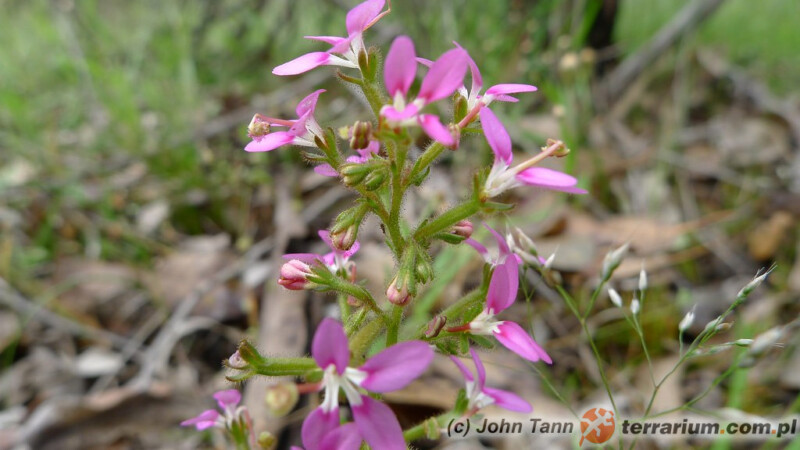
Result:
<point x="502" y="177"/>
<point x="301" y="130"/>
<point x="359" y="19"/>
<point x="228" y="402"/>
<point x="481" y="396"/>
<point x="499" y="92"/>
<point x="446" y="74"/>
<point x="502" y="293"/>
<point x="389" y="370"/>
<point x="294" y="275"/>
<point x="363" y="156"/>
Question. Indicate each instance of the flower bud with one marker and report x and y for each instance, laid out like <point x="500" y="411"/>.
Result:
<point x="258" y="127"/>
<point x="397" y="292"/>
<point x="687" y="321"/>
<point x="463" y="228"/>
<point x="435" y="326"/>
<point x="294" y="275"/>
<point x="353" y="174"/>
<point x="742" y="342"/>
<point x="249" y="354"/>
<point x="236" y="362"/>
<point x="642" y="279"/>
<point x="635" y="306"/>
<point x="424" y="270"/>
<point x="375" y="179"/>
<point x="612" y="260"/>
<point x="281" y="398"/>
<point x="752" y="285"/>
<point x="361" y="132"/>
<point x="344" y="231"/>
<point x="345" y="239"/>
<point x="613" y="295"/>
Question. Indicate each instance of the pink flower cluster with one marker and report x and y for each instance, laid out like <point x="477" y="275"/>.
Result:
<point x="343" y="372"/>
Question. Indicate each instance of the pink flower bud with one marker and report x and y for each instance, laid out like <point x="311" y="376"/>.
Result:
<point x="344" y="239"/>
<point x="294" y="275"/>
<point x="397" y="296"/>
<point x="463" y="229"/>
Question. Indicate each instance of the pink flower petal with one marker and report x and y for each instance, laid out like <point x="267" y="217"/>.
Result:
<point x="228" y="399"/>
<point x="496" y="135"/>
<point x="325" y="235"/>
<point x="400" y="67"/>
<point x="467" y="374"/>
<point x="477" y="79"/>
<point x="359" y="17"/>
<point x="396" y="366"/>
<point x="398" y="116"/>
<point x="204" y="420"/>
<point x="332" y="40"/>
<point x="270" y="142"/>
<point x="500" y="89"/>
<point x="481" y="371"/>
<point x="343" y="46"/>
<point x="479" y="247"/>
<point x="434" y="128"/>
<point x="346" y="437"/>
<point x="330" y="346"/>
<point x="317" y="426"/>
<point x="302" y="64"/>
<point x="508" y="400"/>
<point x="514" y="338"/>
<point x="503" y="286"/>
<point x="445" y="76"/>
<point x="550" y="179"/>
<point x="378" y="425"/>
<point x="309" y="103"/>
<point x="506" y="98"/>
<point x="326" y="170"/>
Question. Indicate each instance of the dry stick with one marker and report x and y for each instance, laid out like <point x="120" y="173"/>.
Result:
<point x="684" y="22"/>
<point x="23" y="306"/>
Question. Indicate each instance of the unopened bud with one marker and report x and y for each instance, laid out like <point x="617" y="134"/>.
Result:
<point x="398" y="295"/>
<point x="724" y="326"/>
<point x="354" y="173"/>
<point x="424" y="270"/>
<point x="294" y="275"/>
<point x="635" y="306"/>
<point x="258" y="127"/>
<point x="236" y="362"/>
<point x="344" y="239"/>
<point x="687" y="321"/>
<point x="375" y="179"/>
<point x="435" y="326"/>
<point x="642" y="280"/>
<point x="742" y="342"/>
<point x="613" y="295"/>
<point x="361" y="132"/>
<point x="281" y="398"/>
<point x="612" y="260"/>
<point x="752" y="285"/>
<point x="249" y="353"/>
<point x="463" y="228"/>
